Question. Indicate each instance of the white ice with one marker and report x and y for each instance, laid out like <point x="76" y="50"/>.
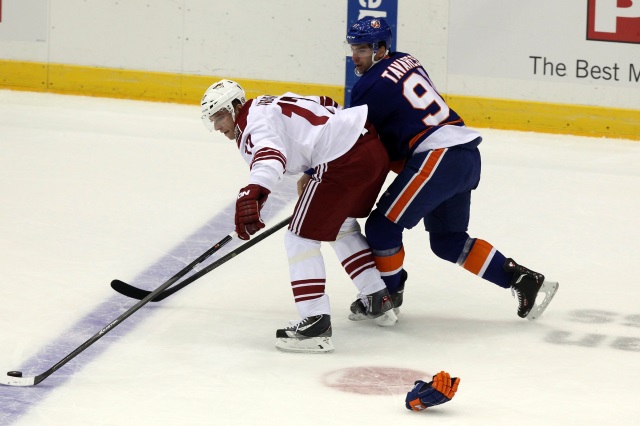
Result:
<point x="97" y="189"/>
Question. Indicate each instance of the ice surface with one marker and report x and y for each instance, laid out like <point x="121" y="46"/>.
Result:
<point x="97" y="189"/>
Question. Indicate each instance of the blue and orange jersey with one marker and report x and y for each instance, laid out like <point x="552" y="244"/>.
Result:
<point x="406" y="109"/>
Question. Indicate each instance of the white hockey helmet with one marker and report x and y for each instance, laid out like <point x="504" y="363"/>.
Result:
<point x="220" y="96"/>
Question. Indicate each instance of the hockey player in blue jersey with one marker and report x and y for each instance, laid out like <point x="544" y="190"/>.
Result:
<point x="438" y="164"/>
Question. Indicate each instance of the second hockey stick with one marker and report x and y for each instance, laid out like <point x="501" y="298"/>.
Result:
<point x="15" y="378"/>
<point x="138" y="293"/>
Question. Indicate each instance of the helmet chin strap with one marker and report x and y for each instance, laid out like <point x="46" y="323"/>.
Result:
<point x="373" y="62"/>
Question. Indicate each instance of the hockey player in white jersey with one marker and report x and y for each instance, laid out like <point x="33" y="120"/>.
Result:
<point x="343" y="166"/>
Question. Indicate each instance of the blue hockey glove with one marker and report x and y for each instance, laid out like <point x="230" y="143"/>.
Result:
<point x="440" y="390"/>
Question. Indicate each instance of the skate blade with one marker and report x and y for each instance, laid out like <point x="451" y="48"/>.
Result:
<point x="312" y="345"/>
<point x="549" y="288"/>
<point x="387" y="319"/>
<point x="358" y="317"/>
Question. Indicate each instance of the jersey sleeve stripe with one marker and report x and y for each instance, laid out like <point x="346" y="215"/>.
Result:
<point x="269" y="154"/>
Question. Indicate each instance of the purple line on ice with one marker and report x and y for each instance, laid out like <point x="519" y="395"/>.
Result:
<point x="17" y="401"/>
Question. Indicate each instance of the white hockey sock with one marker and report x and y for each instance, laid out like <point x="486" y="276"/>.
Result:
<point x="355" y="255"/>
<point x="307" y="274"/>
<point x="313" y="307"/>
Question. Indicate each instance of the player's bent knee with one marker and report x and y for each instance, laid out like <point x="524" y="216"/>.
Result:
<point x="381" y="232"/>
<point x="350" y="226"/>
<point x="448" y="245"/>
<point x="299" y="248"/>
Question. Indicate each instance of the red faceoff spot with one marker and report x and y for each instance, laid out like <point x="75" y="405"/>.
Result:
<point x="373" y="380"/>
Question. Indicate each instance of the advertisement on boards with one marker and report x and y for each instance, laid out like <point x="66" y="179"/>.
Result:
<point x="547" y="50"/>
<point x="613" y="20"/>
<point x="358" y="9"/>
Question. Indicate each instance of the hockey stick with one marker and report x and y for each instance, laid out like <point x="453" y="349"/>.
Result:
<point x="123" y="288"/>
<point x="14" y="378"/>
<point x="138" y="293"/>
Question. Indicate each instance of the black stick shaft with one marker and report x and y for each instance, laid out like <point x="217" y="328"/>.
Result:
<point x="39" y="378"/>
<point x="124" y="288"/>
<point x="220" y="261"/>
<point x="138" y="293"/>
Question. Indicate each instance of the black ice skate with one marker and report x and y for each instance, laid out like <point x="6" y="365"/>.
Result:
<point x="378" y="306"/>
<point x="397" y="297"/>
<point x="526" y="284"/>
<point x="311" y="335"/>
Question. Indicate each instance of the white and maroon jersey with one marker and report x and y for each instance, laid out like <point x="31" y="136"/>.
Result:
<point x="292" y="133"/>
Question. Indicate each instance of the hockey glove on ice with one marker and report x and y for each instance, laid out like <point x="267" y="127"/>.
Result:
<point x="425" y="395"/>
<point x="248" y="205"/>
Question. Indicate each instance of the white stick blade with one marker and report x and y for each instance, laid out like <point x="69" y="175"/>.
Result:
<point x="17" y="381"/>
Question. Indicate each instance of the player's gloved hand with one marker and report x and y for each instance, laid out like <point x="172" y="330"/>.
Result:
<point x="250" y="200"/>
<point x="425" y="395"/>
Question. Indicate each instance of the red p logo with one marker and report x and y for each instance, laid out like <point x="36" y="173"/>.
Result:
<point x="614" y="20"/>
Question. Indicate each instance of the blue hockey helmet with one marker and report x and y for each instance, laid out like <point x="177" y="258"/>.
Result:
<point x="370" y="31"/>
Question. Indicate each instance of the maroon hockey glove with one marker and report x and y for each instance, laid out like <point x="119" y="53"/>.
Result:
<point x="250" y="200"/>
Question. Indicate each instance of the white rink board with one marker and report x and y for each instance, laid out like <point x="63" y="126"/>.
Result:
<point x="478" y="49"/>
